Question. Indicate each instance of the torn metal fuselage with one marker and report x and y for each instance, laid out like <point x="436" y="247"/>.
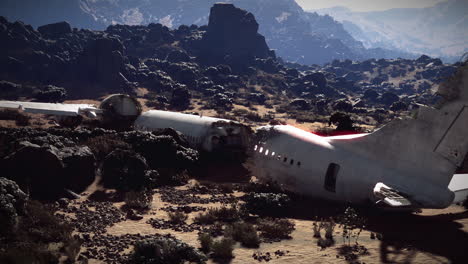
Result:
<point x="214" y="135"/>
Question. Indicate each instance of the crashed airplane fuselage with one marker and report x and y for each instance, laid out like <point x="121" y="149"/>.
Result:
<point x="407" y="164"/>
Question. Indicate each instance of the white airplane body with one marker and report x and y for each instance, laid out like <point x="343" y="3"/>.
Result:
<point x="407" y="164"/>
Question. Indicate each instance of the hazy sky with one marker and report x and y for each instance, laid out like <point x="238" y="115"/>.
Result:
<point x="366" y="5"/>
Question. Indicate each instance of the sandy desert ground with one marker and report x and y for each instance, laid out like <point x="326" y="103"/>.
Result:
<point x="432" y="236"/>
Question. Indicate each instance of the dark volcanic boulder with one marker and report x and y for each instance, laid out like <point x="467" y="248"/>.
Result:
<point x="180" y="98"/>
<point x="36" y="169"/>
<point x="300" y="104"/>
<point x="12" y="204"/>
<point x="317" y="78"/>
<point x="389" y="98"/>
<point x="178" y="56"/>
<point x="102" y="62"/>
<point x="126" y="170"/>
<point x="51" y="94"/>
<point x="343" y="106"/>
<point x="55" y="30"/>
<point x="232" y="38"/>
<point x="79" y="167"/>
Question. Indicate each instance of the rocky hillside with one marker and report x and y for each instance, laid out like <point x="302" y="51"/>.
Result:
<point x="296" y="36"/>
<point x="230" y="73"/>
<point x="438" y="31"/>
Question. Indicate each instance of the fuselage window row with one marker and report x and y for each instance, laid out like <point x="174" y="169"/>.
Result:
<point x="273" y="154"/>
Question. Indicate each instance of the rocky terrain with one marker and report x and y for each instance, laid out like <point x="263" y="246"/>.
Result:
<point x="91" y="194"/>
<point x="188" y="69"/>
<point x="297" y="36"/>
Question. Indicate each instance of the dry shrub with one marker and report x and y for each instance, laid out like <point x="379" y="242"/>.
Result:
<point x="275" y="228"/>
<point x="224" y="214"/>
<point x="222" y="249"/>
<point x="139" y="199"/>
<point x="244" y="233"/>
<point x="177" y="217"/>
<point x="206" y="241"/>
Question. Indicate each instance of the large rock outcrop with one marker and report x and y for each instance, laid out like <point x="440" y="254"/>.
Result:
<point x="232" y="38"/>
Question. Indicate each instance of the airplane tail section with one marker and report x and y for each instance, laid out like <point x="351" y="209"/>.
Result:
<point x="434" y="143"/>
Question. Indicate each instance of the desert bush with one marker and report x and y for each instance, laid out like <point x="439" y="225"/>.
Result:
<point x="37" y="229"/>
<point x="165" y="250"/>
<point x="222" y="249"/>
<point x="177" y="217"/>
<point x="223" y="213"/>
<point x="275" y="228"/>
<point x="206" y="241"/>
<point x="272" y="204"/>
<point x="316" y="228"/>
<point x="244" y="233"/>
<point x="139" y="199"/>
<point x="204" y="218"/>
<point x="352" y="224"/>
<point x="329" y="228"/>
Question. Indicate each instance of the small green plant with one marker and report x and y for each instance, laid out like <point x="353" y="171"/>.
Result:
<point x="275" y="228"/>
<point x="222" y="249"/>
<point x="206" y="241"/>
<point x="177" y="217"/>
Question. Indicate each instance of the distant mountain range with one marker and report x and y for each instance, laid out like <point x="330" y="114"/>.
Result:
<point x="296" y="35"/>
<point x="439" y="31"/>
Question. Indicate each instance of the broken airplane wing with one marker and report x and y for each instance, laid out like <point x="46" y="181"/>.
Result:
<point x="52" y="108"/>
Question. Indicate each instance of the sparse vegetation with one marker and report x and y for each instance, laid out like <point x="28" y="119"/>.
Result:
<point x="139" y="199"/>
<point x="177" y="217"/>
<point x="222" y="249"/>
<point x="329" y="227"/>
<point x="206" y="241"/>
<point x="204" y="218"/>
<point x="244" y="233"/>
<point x="352" y="225"/>
<point x="275" y="228"/>
<point x="165" y="249"/>
<point x="38" y="229"/>
<point x="224" y="214"/>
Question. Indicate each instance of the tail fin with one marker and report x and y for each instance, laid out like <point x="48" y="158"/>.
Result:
<point x="434" y="143"/>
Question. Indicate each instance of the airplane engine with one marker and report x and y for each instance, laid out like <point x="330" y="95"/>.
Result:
<point x="120" y="111"/>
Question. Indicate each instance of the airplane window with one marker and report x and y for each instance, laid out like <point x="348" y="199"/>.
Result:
<point x="291" y="162"/>
<point x="273" y="154"/>
<point x="298" y="163"/>
<point x="285" y="159"/>
<point x="330" y="177"/>
<point x="255" y="148"/>
<point x="266" y="152"/>
<point x="261" y="150"/>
